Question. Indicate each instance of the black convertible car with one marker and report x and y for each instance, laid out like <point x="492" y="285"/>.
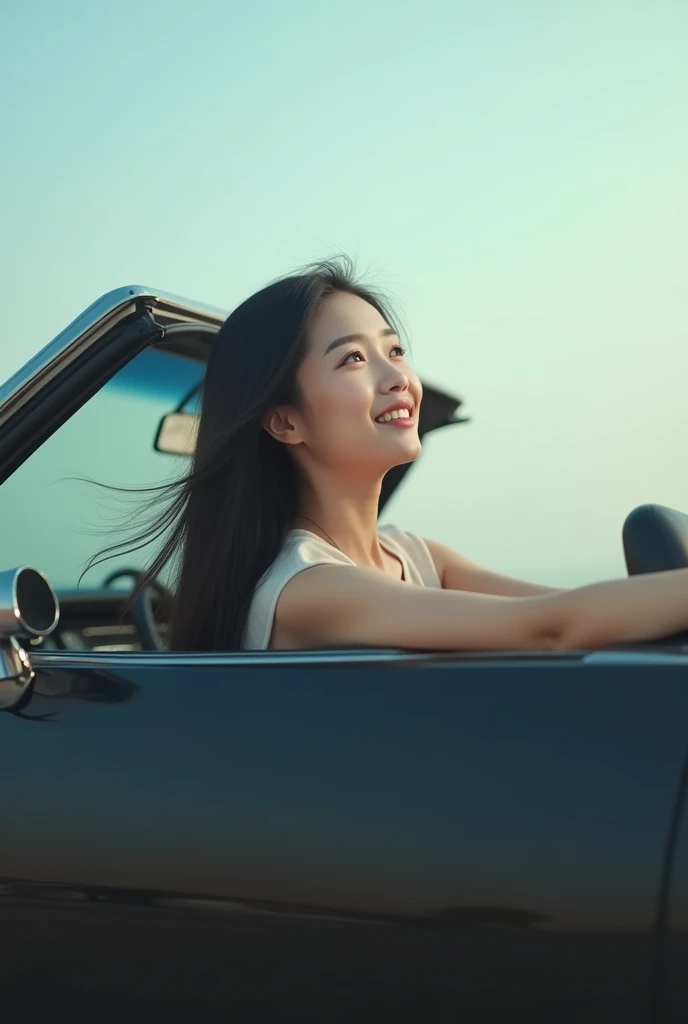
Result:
<point x="317" y="836"/>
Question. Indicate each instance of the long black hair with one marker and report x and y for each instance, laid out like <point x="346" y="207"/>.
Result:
<point x="225" y="522"/>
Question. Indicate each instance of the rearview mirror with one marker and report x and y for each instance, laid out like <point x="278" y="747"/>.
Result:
<point x="177" y="433"/>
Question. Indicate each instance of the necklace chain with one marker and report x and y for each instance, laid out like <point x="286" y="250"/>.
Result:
<point x="308" y="519"/>
<point x="301" y="516"/>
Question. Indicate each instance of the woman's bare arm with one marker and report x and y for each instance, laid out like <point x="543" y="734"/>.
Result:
<point x="459" y="573"/>
<point x="341" y="605"/>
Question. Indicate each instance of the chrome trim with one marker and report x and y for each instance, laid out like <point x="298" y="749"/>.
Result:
<point x="25" y="619"/>
<point x="63" y="349"/>
<point x="203" y="327"/>
<point x="347" y="656"/>
<point x="171" y="659"/>
<point x="16" y="673"/>
<point x="304" y="659"/>
<point x="677" y="657"/>
<point x="90" y="325"/>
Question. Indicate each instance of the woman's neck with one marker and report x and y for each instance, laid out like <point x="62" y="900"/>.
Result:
<point x="349" y="521"/>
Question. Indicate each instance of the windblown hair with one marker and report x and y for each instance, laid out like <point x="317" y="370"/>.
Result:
<point x="223" y="524"/>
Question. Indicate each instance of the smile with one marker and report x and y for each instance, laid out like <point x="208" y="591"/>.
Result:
<point x="396" y="418"/>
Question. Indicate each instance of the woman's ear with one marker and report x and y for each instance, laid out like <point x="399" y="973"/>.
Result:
<point x="281" y="422"/>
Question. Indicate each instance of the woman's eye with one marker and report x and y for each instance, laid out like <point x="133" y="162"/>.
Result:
<point x="395" y="348"/>
<point x="350" y="355"/>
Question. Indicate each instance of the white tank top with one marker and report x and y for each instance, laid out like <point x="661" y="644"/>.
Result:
<point x="303" y="549"/>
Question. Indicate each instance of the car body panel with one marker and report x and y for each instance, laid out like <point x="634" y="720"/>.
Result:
<point x="397" y="840"/>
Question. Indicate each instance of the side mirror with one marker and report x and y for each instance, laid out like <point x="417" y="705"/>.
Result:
<point x="177" y="433"/>
<point x="28" y="607"/>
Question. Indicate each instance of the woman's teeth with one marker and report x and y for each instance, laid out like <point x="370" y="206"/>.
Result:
<point x="396" y="414"/>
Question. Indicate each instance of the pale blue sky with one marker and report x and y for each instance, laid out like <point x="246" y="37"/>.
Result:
<point x="512" y="170"/>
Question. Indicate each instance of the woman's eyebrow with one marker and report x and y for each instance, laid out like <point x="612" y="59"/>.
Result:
<point x="348" y="338"/>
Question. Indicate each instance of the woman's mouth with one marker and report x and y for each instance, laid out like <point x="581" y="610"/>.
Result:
<point x="402" y="418"/>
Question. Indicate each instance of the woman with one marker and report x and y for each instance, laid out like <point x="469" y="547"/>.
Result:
<point x="308" y="401"/>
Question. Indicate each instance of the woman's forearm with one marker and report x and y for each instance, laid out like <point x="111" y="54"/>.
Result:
<point x="644" y="607"/>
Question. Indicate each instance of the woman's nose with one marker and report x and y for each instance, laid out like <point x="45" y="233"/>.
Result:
<point x="400" y="383"/>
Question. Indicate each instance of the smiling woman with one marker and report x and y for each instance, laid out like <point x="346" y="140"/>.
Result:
<point x="308" y="402"/>
<point x="288" y="408"/>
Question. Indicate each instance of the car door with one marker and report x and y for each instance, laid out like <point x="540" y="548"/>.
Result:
<point x="337" y="836"/>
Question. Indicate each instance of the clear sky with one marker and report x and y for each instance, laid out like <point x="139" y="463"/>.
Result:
<point x="513" y="171"/>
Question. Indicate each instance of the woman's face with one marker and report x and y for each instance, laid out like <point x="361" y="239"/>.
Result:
<point x="355" y="371"/>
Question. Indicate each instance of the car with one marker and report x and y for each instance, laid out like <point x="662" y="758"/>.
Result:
<point x="314" y="836"/>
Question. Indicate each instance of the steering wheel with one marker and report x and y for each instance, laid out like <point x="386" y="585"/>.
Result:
<point x="142" y="612"/>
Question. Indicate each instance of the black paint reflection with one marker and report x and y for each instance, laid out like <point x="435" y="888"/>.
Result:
<point x="334" y="845"/>
<point x="467" y="918"/>
<point x="84" y="684"/>
<point x="92" y="685"/>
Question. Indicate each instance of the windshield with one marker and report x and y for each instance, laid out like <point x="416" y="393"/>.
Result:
<point x="56" y="523"/>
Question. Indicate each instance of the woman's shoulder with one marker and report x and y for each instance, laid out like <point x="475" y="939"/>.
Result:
<point x="393" y="531"/>
<point x="416" y="551"/>
<point x="390" y="531"/>
<point x="303" y="544"/>
<point x="302" y="548"/>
